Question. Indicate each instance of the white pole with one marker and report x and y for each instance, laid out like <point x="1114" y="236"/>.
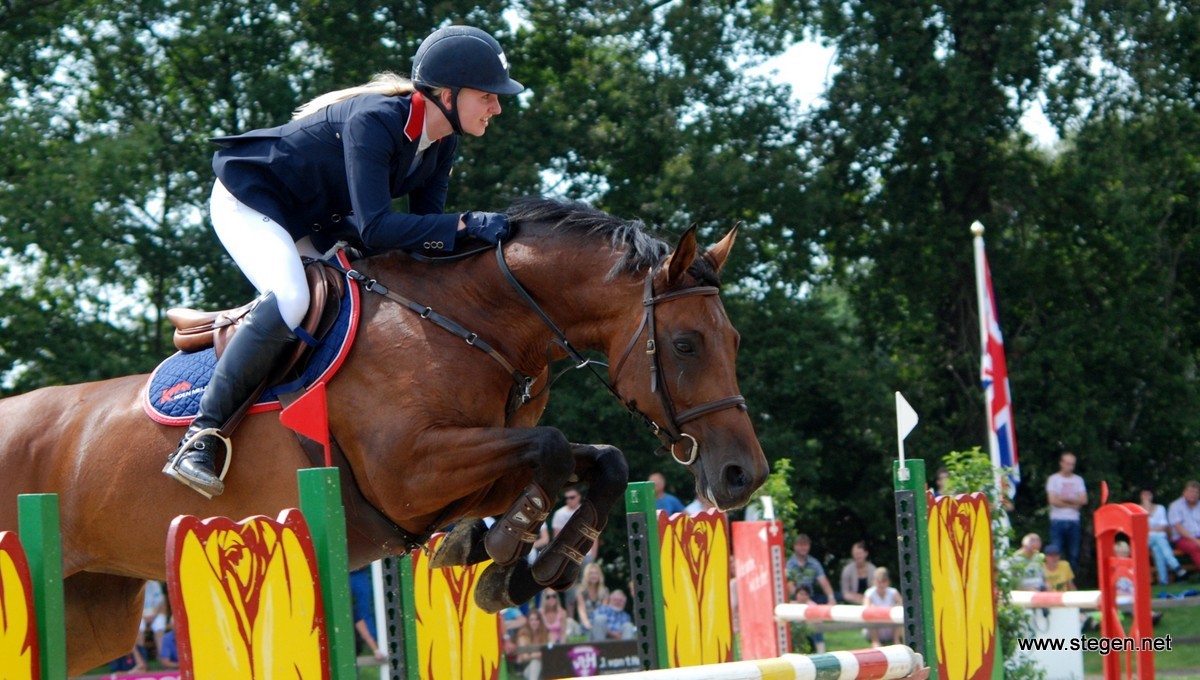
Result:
<point x="984" y="301"/>
<point x="381" y="636"/>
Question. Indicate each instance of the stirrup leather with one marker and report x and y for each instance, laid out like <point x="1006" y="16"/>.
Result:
<point x="171" y="469"/>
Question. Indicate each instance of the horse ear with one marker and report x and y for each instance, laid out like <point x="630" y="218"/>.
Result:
<point x="679" y="261"/>
<point x="719" y="252"/>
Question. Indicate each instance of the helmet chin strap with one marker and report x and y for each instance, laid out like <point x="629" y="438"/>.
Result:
<point x="452" y="114"/>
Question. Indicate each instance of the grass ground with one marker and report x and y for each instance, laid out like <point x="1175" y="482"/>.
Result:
<point x="1182" y="624"/>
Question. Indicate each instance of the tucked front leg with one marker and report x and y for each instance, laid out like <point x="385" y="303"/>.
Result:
<point x="607" y="473"/>
<point x="540" y="455"/>
<point x="604" y="469"/>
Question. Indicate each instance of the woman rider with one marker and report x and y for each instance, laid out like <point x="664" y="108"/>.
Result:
<point x="330" y="175"/>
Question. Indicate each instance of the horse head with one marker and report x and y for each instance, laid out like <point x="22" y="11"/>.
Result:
<point x="685" y="380"/>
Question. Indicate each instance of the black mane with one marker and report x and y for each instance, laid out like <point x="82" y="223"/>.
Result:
<point x="639" y="250"/>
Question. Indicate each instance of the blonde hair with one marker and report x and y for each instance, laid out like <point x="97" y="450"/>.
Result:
<point x="386" y="83"/>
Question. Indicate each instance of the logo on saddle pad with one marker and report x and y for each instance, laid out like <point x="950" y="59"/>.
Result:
<point x="173" y="392"/>
<point x="181" y="390"/>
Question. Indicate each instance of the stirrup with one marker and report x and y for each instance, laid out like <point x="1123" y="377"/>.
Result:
<point x="171" y="469"/>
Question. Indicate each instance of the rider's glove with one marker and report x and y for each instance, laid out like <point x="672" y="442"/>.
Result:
<point x="486" y="226"/>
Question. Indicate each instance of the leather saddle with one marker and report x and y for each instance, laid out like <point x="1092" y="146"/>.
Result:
<point x="197" y="330"/>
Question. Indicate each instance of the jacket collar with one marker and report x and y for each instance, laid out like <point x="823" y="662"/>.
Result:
<point x="416" y="118"/>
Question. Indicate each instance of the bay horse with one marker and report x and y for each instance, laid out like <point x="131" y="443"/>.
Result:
<point x="429" y="426"/>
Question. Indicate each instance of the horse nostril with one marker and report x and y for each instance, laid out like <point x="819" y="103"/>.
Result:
<point x="735" y="478"/>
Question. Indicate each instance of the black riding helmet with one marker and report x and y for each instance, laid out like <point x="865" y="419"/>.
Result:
<point x="455" y="57"/>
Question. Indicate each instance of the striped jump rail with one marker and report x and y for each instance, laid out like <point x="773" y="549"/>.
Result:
<point x="1082" y="599"/>
<point x="847" y="613"/>
<point x="885" y="663"/>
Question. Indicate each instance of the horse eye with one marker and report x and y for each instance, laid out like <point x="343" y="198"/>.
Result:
<point x="684" y="347"/>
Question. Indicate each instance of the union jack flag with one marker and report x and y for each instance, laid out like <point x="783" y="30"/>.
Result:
<point x="997" y="393"/>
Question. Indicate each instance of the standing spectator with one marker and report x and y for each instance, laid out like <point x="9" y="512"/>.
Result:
<point x="590" y="593"/>
<point x="361" y="600"/>
<point x="1028" y="564"/>
<point x="857" y="575"/>
<point x="1184" y="516"/>
<point x="559" y="519"/>
<point x="1066" y="494"/>
<point x="1160" y="542"/>
<point x="662" y="500"/>
<point x="804" y="569"/>
<point x="882" y="594"/>
<point x="939" y="483"/>
<point x="1059" y="576"/>
<point x="618" y="624"/>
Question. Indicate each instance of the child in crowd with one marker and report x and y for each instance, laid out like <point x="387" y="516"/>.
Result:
<point x="1059" y="576"/>
<point x="882" y="594"/>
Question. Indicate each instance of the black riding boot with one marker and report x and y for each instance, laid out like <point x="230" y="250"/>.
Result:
<point x="246" y="362"/>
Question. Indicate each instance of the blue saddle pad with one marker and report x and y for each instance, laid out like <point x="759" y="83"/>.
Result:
<point x="172" y="395"/>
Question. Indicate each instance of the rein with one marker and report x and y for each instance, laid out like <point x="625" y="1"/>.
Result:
<point x="521" y="392"/>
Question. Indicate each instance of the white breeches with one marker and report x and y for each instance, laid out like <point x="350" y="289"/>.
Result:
<point x="264" y="251"/>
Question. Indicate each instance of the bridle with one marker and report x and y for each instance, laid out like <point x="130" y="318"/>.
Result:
<point x="672" y="433"/>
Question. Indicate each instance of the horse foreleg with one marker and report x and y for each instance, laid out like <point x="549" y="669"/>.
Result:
<point x="605" y="471"/>
<point x="102" y="618"/>
<point x="547" y="453"/>
<point x="607" y="474"/>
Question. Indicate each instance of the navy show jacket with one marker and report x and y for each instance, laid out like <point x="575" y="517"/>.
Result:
<point x="333" y="174"/>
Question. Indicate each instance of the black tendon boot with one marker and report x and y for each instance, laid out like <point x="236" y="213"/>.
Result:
<point x="244" y="365"/>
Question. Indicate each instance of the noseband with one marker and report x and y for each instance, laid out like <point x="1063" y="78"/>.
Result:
<point x="672" y="433"/>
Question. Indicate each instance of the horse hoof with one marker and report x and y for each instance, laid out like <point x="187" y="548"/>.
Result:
<point x="491" y="592"/>
<point x="461" y="547"/>
<point x="501" y="587"/>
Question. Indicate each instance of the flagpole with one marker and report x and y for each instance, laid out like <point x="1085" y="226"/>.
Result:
<point x="981" y="293"/>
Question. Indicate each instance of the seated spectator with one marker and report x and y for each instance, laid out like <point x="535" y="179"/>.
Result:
<point x="697" y="506"/>
<point x="1184" y="517"/>
<point x="618" y="624"/>
<point x="882" y="594"/>
<point x="1059" y="576"/>
<point x="1028" y="564"/>
<point x="513" y="619"/>
<point x="133" y="662"/>
<point x="154" y="617"/>
<point x="857" y="575"/>
<point x="804" y="569"/>
<point x="168" y="654"/>
<point x="590" y="593"/>
<point x="816" y="638"/>
<point x="1159" y="538"/>
<point x="530" y="639"/>
<point x="559" y="626"/>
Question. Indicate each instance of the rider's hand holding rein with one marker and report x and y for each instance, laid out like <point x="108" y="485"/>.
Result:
<point x="330" y="175"/>
<point x="485" y="226"/>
